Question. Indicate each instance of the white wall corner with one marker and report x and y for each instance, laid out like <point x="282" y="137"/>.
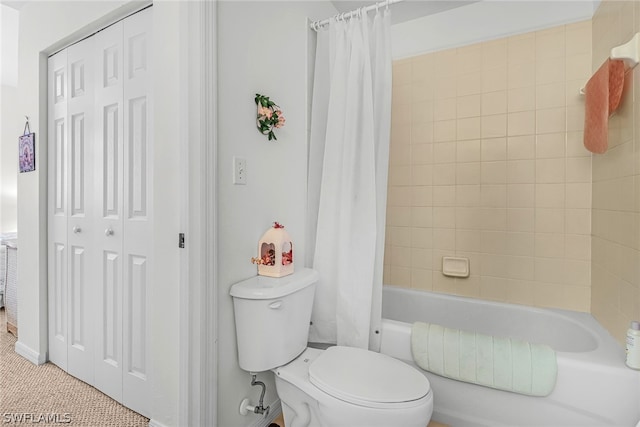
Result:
<point x="30" y="354"/>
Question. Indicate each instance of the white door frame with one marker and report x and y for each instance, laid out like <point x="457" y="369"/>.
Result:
<point x="198" y="288"/>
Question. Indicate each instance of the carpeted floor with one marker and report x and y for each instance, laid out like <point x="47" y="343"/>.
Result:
<point x="46" y="395"/>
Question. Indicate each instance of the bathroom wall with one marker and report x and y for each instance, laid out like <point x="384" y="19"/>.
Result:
<point x="10" y="120"/>
<point x="263" y="48"/>
<point x="487" y="163"/>
<point x="11" y="125"/>
<point x="615" y="299"/>
<point x="483" y="21"/>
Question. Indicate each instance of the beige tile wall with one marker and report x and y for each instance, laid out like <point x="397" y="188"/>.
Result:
<point x="615" y="269"/>
<point x="487" y="162"/>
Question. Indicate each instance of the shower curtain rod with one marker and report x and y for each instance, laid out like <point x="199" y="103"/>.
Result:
<point x="316" y="25"/>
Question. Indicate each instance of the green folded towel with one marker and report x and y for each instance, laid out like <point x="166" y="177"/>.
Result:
<point x="501" y="363"/>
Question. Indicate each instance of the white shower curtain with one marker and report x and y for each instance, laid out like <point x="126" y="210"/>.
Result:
<point x="348" y="166"/>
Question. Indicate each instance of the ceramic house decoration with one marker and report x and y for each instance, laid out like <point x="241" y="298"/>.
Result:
<point x="275" y="252"/>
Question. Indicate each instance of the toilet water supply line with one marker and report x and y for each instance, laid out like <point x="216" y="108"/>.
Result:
<point x="245" y="408"/>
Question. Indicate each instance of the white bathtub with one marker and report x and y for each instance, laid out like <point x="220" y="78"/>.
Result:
<point x="594" y="387"/>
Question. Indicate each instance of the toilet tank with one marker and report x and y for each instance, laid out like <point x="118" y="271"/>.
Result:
<point x="272" y="318"/>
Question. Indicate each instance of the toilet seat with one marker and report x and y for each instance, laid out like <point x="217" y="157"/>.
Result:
<point x="367" y="378"/>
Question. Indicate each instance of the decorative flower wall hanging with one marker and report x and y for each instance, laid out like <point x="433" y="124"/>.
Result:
<point x="269" y="116"/>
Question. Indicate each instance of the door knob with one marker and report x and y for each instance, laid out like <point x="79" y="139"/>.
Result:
<point x="108" y="232"/>
<point x="77" y="230"/>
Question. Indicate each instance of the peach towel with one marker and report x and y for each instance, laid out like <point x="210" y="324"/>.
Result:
<point x="603" y="94"/>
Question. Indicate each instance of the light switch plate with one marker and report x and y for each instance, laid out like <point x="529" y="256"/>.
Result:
<point x="239" y="170"/>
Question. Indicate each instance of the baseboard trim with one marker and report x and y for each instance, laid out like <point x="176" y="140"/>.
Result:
<point x="30" y="354"/>
<point x="274" y="410"/>
<point x="154" y="423"/>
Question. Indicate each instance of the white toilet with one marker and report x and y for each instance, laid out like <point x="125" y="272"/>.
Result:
<point x="340" y="386"/>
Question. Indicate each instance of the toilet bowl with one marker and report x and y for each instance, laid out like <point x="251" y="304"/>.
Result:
<point x="344" y="386"/>
<point x="340" y="386"/>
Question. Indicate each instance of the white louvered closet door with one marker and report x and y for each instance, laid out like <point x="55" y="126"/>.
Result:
<point x="100" y="239"/>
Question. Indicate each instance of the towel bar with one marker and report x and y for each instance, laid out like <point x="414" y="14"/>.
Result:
<point x="628" y="52"/>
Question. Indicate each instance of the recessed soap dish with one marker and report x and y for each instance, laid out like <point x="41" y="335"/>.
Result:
<point x="455" y="267"/>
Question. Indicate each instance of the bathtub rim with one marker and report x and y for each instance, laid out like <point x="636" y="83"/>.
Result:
<point x="606" y="362"/>
<point x="607" y="349"/>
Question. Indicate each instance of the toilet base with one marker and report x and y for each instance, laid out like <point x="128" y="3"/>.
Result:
<point x="304" y="405"/>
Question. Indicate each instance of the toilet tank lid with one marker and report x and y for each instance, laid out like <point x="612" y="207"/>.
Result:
<point x="367" y="378"/>
<point x="263" y="287"/>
